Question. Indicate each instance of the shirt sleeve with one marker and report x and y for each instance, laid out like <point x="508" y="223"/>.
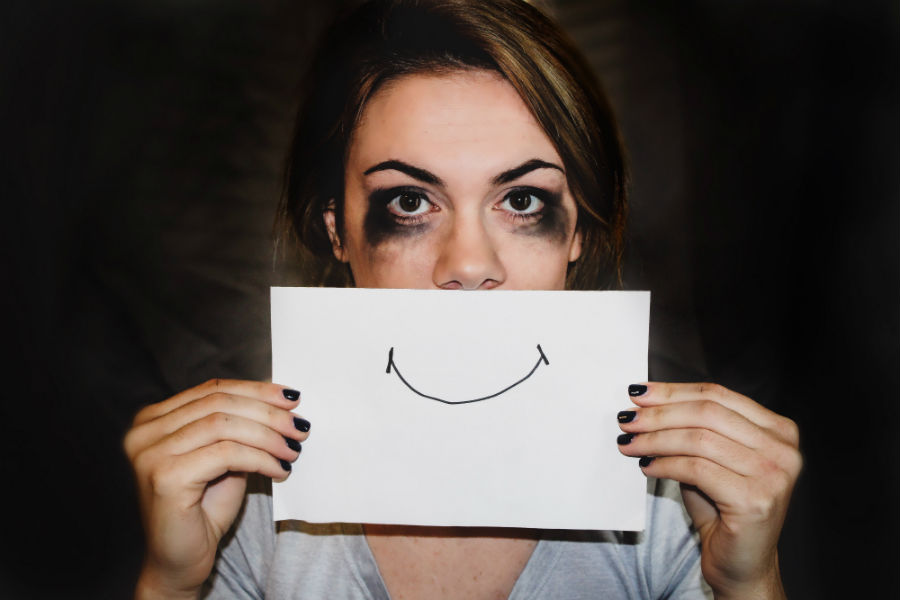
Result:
<point x="239" y="571"/>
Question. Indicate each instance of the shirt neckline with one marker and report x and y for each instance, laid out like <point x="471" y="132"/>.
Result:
<point x="359" y="555"/>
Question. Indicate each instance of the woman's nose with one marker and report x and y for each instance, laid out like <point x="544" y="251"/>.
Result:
<point x="468" y="258"/>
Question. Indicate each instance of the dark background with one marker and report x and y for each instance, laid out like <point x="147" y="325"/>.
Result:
<point x="140" y="157"/>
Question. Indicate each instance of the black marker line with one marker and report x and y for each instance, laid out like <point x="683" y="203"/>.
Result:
<point x="391" y="363"/>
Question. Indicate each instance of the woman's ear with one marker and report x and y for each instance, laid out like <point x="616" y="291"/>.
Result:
<point x="575" y="246"/>
<point x="331" y="226"/>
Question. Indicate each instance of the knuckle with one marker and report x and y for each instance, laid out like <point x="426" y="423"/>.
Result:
<point x="793" y="463"/>
<point x="761" y="505"/>
<point x="711" y="389"/>
<point x="798" y="463"/>
<point x="213" y="402"/>
<point x="219" y="421"/>
<point x="272" y="413"/>
<point x="129" y="444"/>
<point x="784" y="482"/>
<point x="227" y="449"/>
<point x="783" y="461"/>
<point x="223" y="383"/>
<point x="180" y="436"/>
<point x="142" y="463"/>
<point x="695" y="437"/>
<point x="162" y="479"/>
<point x="215" y="385"/>
<point x="707" y="409"/>
<point x="789" y="430"/>
<point x="769" y="467"/>
<point x="701" y="438"/>
<point x="204" y="403"/>
<point x="219" y="397"/>
<point x="142" y="416"/>
<point x="694" y="468"/>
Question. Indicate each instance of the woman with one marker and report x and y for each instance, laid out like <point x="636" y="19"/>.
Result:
<point x="458" y="145"/>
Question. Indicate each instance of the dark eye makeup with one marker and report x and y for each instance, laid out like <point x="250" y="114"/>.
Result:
<point x="539" y="212"/>
<point x="400" y="212"/>
<point x="395" y="213"/>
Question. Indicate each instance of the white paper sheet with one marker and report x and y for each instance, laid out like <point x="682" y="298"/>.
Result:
<point x="416" y="444"/>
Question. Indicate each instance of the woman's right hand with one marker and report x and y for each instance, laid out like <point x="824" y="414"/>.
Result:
<point x="191" y="455"/>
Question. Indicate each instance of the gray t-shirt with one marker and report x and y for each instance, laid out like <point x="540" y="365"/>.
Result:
<point x="295" y="559"/>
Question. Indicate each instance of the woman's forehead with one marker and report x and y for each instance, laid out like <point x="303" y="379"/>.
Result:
<point x="464" y="120"/>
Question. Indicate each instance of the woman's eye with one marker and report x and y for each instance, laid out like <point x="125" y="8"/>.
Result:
<point x="409" y="204"/>
<point x="522" y="203"/>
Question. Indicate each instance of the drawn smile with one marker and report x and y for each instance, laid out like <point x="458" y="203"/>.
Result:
<point x="392" y="365"/>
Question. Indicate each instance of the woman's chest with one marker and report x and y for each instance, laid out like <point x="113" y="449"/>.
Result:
<point x="432" y="566"/>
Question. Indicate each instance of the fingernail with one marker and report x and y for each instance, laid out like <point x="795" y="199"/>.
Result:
<point x="626" y="416"/>
<point x="646" y="460"/>
<point x="637" y="389"/>
<point x="293" y="444"/>
<point x="291" y="395"/>
<point x="301" y="424"/>
<point x="624" y="439"/>
<point x="285" y="465"/>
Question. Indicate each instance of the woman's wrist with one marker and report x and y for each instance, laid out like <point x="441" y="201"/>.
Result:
<point x="766" y="587"/>
<point x="151" y="585"/>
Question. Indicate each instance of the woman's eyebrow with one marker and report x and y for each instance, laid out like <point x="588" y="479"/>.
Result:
<point x="414" y="172"/>
<point x="525" y="167"/>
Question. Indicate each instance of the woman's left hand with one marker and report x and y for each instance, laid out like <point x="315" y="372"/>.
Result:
<point x="737" y="463"/>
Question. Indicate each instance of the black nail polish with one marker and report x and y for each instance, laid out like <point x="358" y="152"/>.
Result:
<point x="301" y="424"/>
<point x="624" y="439"/>
<point x="626" y="416"/>
<point x="637" y="389"/>
<point x="291" y="395"/>
<point x="646" y="460"/>
<point x="285" y="465"/>
<point x="293" y="444"/>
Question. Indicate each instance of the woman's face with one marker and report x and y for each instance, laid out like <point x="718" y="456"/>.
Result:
<point x="451" y="183"/>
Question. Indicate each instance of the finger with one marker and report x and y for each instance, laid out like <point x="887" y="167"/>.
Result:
<point x="210" y="462"/>
<point x="734" y="495"/>
<point x="765" y="451"/>
<point x="193" y="471"/>
<point x="657" y="393"/>
<point x="702" y="414"/>
<point x="274" y="394"/>
<point x="219" y="427"/>
<point x="280" y="419"/>
<point x="700" y="443"/>
<point x="723" y="486"/>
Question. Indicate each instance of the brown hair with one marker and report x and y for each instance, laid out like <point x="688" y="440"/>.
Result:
<point x="382" y="40"/>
